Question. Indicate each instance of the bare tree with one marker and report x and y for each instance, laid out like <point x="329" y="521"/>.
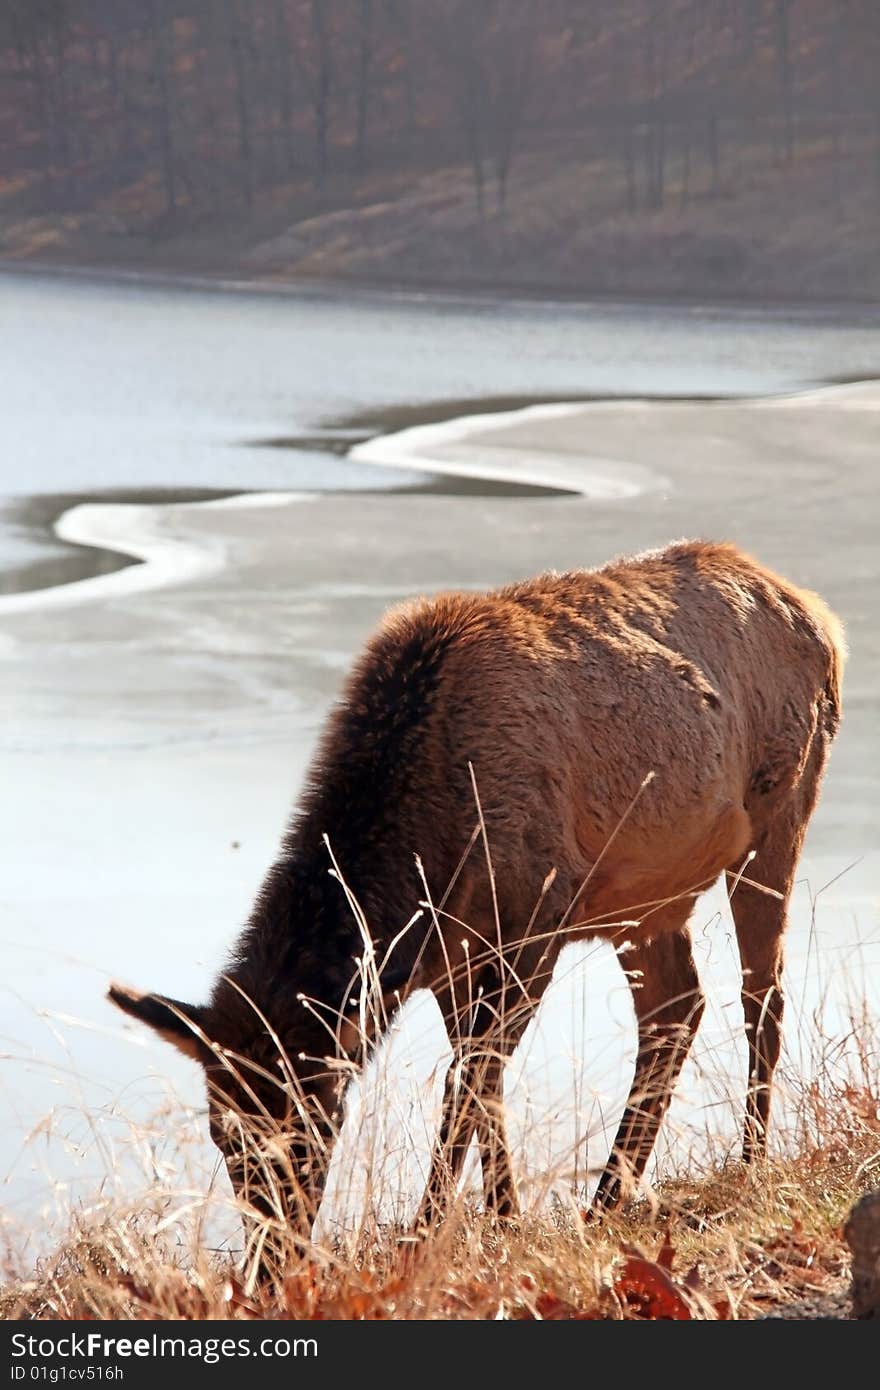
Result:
<point x="281" y="39"/>
<point x="749" y="19"/>
<point x="35" y="31"/>
<point x="866" y="28"/>
<point x="322" y="77"/>
<point x="366" y="42"/>
<point x="236" y="41"/>
<point x="837" y="45"/>
<point x="656" y="28"/>
<point x="490" y="51"/>
<point x="713" y="136"/>
<point x="514" y="79"/>
<point x="162" y="34"/>
<point x="785" y="70"/>
<point x="622" y="85"/>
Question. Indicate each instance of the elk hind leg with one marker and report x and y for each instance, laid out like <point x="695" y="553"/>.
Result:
<point x="760" y="915"/>
<point x="669" y="1005"/>
<point x="780" y="807"/>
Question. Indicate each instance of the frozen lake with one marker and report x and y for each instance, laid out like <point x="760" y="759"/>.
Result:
<point x="156" y="721"/>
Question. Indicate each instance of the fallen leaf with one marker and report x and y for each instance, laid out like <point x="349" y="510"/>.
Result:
<point x="647" y="1291"/>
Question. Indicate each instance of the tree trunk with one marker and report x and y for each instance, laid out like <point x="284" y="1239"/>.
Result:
<point x="751" y="15"/>
<point x="629" y="158"/>
<point x="661" y="85"/>
<point x="475" y="150"/>
<point x="412" y="108"/>
<point x="113" y="71"/>
<point x="235" y="38"/>
<point x="660" y="162"/>
<point x="38" y="67"/>
<point x="59" y="99"/>
<point x="119" y="81"/>
<point x="365" y="63"/>
<point x="714" y="152"/>
<point x="502" y="175"/>
<point x="163" y="57"/>
<point x="648" y="156"/>
<point x="836" y="119"/>
<point x="322" y="90"/>
<point x="281" y="39"/>
<point x="686" y="168"/>
<point x="513" y="92"/>
<point x="626" y="137"/>
<point x="783" y="59"/>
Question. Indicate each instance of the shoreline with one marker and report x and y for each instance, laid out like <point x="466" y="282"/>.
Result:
<point x="432" y="446"/>
<point x="142" y="275"/>
<point x="158" y="559"/>
<point x="131" y="530"/>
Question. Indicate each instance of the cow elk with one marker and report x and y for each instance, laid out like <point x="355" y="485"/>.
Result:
<point x="578" y="755"/>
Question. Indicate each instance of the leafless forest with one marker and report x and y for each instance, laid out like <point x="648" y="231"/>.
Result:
<point x="648" y="145"/>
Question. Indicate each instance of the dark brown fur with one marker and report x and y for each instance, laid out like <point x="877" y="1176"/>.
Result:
<point x="632" y="733"/>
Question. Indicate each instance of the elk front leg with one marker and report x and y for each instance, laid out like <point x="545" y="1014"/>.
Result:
<point x="499" y="1188"/>
<point x="474" y="1103"/>
<point x="461" y="1100"/>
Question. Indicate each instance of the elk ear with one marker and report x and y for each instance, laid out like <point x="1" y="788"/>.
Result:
<point x="172" y="1020"/>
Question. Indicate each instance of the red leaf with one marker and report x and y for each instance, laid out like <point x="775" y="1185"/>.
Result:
<point x="553" y="1309"/>
<point x="648" y="1292"/>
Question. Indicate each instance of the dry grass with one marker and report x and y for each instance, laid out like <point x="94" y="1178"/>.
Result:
<point x="729" y="1243"/>
<point x="734" y="1244"/>
<point x="722" y="1241"/>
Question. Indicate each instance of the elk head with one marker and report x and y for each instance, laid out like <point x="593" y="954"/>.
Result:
<point x="273" y="1101"/>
